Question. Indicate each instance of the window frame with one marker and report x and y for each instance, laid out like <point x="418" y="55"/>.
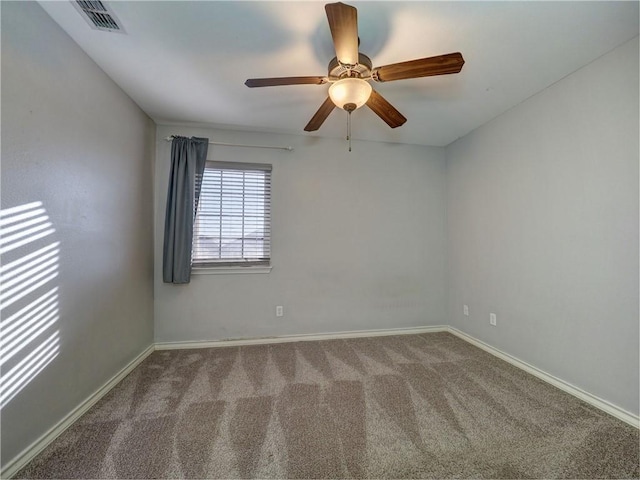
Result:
<point x="234" y="265"/>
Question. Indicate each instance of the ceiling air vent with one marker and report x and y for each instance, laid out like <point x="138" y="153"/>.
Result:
<point x="99" y="15"/>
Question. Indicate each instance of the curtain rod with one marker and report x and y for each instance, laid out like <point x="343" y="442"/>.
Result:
<point x="287" y="148"/>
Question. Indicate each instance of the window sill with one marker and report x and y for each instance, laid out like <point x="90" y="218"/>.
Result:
<point x="231" y="270"/>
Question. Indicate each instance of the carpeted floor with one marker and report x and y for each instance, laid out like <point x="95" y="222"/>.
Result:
<point x="408" y="406"/>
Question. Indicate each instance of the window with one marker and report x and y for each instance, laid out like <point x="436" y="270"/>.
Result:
<point x="233" y="222"/>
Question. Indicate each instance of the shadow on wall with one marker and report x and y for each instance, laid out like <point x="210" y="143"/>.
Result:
<point x="29" y="264"/>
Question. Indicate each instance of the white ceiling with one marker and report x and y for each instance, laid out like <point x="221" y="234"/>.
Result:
<point x="186" y="61"/>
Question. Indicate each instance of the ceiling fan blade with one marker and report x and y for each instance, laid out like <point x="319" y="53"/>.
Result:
<point x="274" y="82"/>
<point x="320" y="116"/>
<point x="343" y="22"/>
<point x="423" y="67"/>
<point x="385" y="110"/>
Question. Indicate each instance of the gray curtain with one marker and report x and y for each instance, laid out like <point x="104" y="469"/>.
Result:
<point x="188" y="158"/>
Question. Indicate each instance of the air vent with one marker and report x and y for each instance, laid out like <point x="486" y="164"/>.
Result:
<point x="98" y="15"/>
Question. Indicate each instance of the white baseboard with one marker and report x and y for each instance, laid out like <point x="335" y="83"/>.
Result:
<point x="36" y="447"/>
<point x="604" y="405"/>
<point x="299" y="338"/>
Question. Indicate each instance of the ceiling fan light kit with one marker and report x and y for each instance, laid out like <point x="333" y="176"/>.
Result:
<point x="350" y="93"/>
<point x="350" y="72"/>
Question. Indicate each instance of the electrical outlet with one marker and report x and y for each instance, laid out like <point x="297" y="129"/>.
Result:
<point x="492" y="319"/>
<point x="279" y="311"/>
<point x="465" y="310"/>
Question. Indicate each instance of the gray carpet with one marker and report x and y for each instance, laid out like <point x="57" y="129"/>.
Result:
<point x="408" y="406"/>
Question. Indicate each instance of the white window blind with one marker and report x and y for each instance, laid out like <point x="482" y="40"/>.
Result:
<point x="233" y="222"/>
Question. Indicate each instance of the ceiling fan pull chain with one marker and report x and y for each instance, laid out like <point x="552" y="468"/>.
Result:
<point x="349" y="129"/>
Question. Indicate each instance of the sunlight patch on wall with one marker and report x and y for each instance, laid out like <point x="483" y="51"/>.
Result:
<point x="29" y="339"/>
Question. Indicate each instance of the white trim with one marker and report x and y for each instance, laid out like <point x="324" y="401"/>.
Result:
<point x="230" y="270"/>
<point x="604" y="405"/>
<point x="41" y="443"/>
<point x="299" y="338"/>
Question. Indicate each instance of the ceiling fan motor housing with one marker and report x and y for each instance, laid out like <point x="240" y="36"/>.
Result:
<point x="360" y="70"/>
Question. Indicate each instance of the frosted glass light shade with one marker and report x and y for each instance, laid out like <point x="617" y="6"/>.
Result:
<point x="350" y="90"/>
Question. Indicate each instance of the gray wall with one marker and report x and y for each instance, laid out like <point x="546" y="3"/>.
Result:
<point x="74" y="141"/>
<point x="542" y="209"/>
<point x="358" y="242"/>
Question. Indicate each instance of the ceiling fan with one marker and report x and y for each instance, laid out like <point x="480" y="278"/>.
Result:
<point x="350" y="72"/>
